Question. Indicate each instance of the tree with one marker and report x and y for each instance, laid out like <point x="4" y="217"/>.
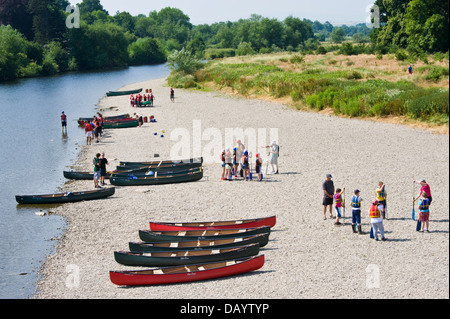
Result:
<point x="12" y="52"/>
<point x="146" y="51"/>
<point x="338" y="35"/>
<point x="15" y="13"/>
<point x="48" y="20"/>
<point x="87" y="6"/>
<point x="183" y="62"/>
<point x="245" y="48"/>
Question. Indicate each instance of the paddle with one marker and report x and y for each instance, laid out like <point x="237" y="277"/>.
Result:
<point x="419" y="225"/>
<point x="371" y="233"/>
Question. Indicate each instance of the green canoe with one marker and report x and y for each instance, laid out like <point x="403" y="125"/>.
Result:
<point x="161" y="236"/>
<point x="156" y="180"/>
<point x="187" y="257"/>
<point x="69" y="197"/>
<point x="143" y="247"/>
<point x="119" y="93"/>
<point x="120" y="124"/>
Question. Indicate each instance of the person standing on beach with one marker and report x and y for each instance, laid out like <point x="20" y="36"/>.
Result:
<point x="356" y="211"/>
<point x="424" y="189"/>
<point x="424" y="208"/>
<point x="258" y="166"/>
<point x="172" y="95"/>
<point x="96" y="162"/>
<point x="328" y="194"/>
<point x="274" y="154"/>
<point x="338" y="204"/>
<point x="103" y="163"/>
<point x="376" y="220"/>
<point x="64" y="122"/>
<point x="228" y="164"/>
<point x="381" y="196"/>
<point x="245" y="166"/>
<point x="88" y="128"/>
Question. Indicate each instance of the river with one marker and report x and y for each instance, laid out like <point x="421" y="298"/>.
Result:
<point x="35" y="153"/>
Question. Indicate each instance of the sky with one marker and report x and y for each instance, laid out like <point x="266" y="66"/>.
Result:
<point x="210" y="11"/>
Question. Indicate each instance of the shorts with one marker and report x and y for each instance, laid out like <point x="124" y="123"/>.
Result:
<point x="338" y="211"/>
<point x="103" y="172"/>
<point x="383" y="202"/>
<point x="258" y="169"/>
<point x="64" y="123"/>
<point x="227" y="166"/>
<point x="97" y="175"/>
<point x="327" y="201"/>
<point x="356" y="216"/>
<point x="89" y="134"/>
<point x="424" y="216"/>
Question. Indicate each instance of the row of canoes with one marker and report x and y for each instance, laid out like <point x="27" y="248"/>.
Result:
<point x="149" y="173"/>
<point x="120" y="121"/>
<point x="186" y="252"/>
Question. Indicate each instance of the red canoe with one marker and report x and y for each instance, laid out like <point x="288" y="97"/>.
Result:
<point x="235" y="224"/>
<point x="188" y="273"/>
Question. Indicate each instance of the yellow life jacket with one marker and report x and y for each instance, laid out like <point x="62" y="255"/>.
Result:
<point x="424" y="205"/>
<point x="381" y="194"/>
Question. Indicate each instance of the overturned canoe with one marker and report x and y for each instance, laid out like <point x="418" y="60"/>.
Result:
<point x="262" y="240"/>
<point x="194" y="235"/>
<point x="234" y="224"/>
<point x="145" y="168"/>
<point x="187" y="257"/>
<point x="83" y="120"/>
<point x="167" y="162"/>
<point x="186" y="273"/>
<point x="68" y="197"/>
<point x="156" y="180"/>
<point x="82" y="175"/>
<point x="119" y="93"/>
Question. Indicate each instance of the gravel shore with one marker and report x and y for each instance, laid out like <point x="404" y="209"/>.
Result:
<point x="307" y="257"/>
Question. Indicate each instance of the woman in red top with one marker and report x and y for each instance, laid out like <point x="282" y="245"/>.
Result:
<point x="424" y="189"/>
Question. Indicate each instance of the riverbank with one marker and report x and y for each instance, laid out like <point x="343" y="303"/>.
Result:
<point x="308" y="257"/>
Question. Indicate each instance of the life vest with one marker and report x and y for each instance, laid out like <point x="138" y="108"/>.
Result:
<point x="63" y="117"/>
<point x="338" y="198"/>
<point x="374" y="212"/>
<point x="381" y="194"/>
<point x="424" y="205"/>
<point x="356" y="201"/>
<point x="245" y="160"/>
<point x="222" y="157"/>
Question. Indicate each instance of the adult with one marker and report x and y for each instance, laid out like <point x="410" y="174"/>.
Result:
<point x="328" y="195"/>
<point x="274" y="154"/>
<point x="64" y="122"/>
<point x="96" y="162"/>
<point x="172" y="95"/>
<point x="103" y="163"/>
<point x="88" y="129"/>
<point x="382" y="196"/>
<point x="425" y="188"/>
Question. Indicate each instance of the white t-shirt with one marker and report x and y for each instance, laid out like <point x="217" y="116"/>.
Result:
<point x="377" y="220"/>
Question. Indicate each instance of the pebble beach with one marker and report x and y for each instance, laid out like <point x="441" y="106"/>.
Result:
<point x="307" y="257"/>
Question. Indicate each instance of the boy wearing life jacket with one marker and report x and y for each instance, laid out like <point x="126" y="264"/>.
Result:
<point x="245" y="166"/>
<point x="64" y="121"/>
<point x="424" y="208"/>
<point x="381" y="197"/>
<point x="376" y="219"/>
<point x="356" y="211"/>
<point x="258" y="166"/>
<point x="338" y="204"/>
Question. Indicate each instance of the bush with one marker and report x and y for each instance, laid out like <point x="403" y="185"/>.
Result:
<point x="184" y="62"/>
<point x="245" y="48"/>
<point x="146" y="51"/>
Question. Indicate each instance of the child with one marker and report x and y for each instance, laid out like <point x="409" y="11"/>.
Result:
<point x="424" y="208"/>
<point x="258" y="167"/>
<point x="356" y="211"/>
<point x="245" y="166"/>
<point x="338" y="204"/>
<point x="228" y="164"/>
<point x="376" y="219"/>
<point x="222" y="159"/>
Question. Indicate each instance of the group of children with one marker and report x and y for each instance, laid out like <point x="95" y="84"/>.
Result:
<point x="94" y="129"/>
<point x="240" y="157"/>
<point x="138" y="99"/>
<point x="377" y="210"/>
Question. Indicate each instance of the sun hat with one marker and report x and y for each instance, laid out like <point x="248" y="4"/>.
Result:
<point x="329" y="176"/>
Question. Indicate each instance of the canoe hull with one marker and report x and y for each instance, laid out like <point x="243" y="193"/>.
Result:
<point x="159" y="180"/>
<point x="262" y="240"/>
<point x="119" y="93"/>
<point x="204" y="272"/>
<point x="151" y="236"/>
<point x="239" y="224"/>
<point x="168" y="162"/>
<point x="65" y="197"/>
<point x="161" y="259"/>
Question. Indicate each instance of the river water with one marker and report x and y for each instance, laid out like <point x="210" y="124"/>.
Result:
<point x="35" y="153"/>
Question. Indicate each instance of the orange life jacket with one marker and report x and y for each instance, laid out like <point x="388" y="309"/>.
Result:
<point x="374" y="212"/>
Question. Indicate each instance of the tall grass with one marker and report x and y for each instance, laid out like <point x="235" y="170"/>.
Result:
<point x="344" y="91"/>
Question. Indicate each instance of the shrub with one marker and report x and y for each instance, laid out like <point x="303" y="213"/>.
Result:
<point x="184" y="61"/>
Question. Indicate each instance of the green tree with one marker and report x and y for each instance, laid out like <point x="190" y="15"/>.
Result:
<point x="183" y="61"/>
<point x="338" y="35"/>
<point x="146" y="51"/>
<point x="13" y="46"/>
<point x="245" y="48"/>
<point x="87" y="6"/>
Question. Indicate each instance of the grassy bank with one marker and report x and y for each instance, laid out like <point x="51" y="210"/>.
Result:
<point x="355" y="86"/>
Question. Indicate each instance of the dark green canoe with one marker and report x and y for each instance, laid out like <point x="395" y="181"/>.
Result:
<point x="187" y="257"/>
<point x="119" y="93"/>
<point x="196" y="160"/>
<point x="120" y="124"/>
<point x="142" y="247"/>
<point x="146" y="168"/>
<point x="62" y="198"/>
<point x="164" y="236"/>
<point x="156" y="180"/>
